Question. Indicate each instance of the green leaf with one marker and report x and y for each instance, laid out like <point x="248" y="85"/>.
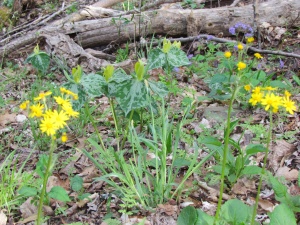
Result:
<point x="176" y="57"/>
<point x="77" y="74"/>
<point x="82" y="96"/>
<point x="28" y="191"/>
<point x="279" y="188"/>
<point x="187" y="216"/>
<point x="41" y="165"/>
<point x="279" y="84"/>
<point x="158" y="88"/>
<point x="83" y="196"/>
<point x="108" y="72"/>
<point x="131" y="94"/>
<point x="180" y="162"/>
<point x="282" y="214"/>
<point x="39" y="61"/>
<point x="255" y="148"/>
<point x="156" y="59"/>
<point x="94" y="85"/>
<point x="296" y="79"/>
<point x="251" y="170"/>
<point x="76" y="183"/>
<point x="235" y="211"/>
<point x="139" y="70"/>
<point x="204" y="219"/>
<point x="59" y="193"/>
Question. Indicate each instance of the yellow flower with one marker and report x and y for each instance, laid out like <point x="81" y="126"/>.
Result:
<point x="269" y="88"/>
<point x="241" y="65"/>
<point x="240" y="46"/>
<point x="247" y="87"/>
<point x="59" y="118"/>
<point x="24" y="105"/>
<point x="287" y="94"/>
<point x="166" y="46"/>
<point x="63" y="90"/>
<point x="61" y="101"/>
<point x="271" y="101"/>
<point x="256" y="90"/>
<point x="43" y="95"/>
<point x="227" y="54"/>
<point x="255" y="98"/>
<point x="70" y="112"/>
<point x="64" y="137"/>
<point x="289" y="105"/>
<point x="258" y="56"/>
<point x="47" y="126"/>
<point x="177" y="44"/>
<point x="36" y="110"/>
<point x="250" y="39"/>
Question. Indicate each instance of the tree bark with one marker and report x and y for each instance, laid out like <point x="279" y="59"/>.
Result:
<point x="103" y="31"/>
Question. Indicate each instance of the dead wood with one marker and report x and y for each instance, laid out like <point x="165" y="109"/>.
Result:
<point x="103" y="31"/>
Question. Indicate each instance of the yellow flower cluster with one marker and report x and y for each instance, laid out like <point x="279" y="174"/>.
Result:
<point x="52" y="119"/>
<point x="266" y="97"/>
<point x="167" y="45"/>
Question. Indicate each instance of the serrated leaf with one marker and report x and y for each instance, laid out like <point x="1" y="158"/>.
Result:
<point x="251" y="170"/>
<point x="282" y="214"/>
<point x="28" y="191"/>
<point x="187" y="216"/>
<point x="131" y="94"/>
<point x="59" y="193"/>
<point x="158" y="88"/>
<point x="235" y="211"/>
<point x="255" y="148"/>
<point x="94" y="85"/>
<point x="204" y="219"/>
<point x="177" y="57"/>
<point x="156" y="59"/>
<point x="76" y="183"/>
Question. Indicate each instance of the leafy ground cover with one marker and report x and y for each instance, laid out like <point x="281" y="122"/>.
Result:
<point x="201" y="133"/>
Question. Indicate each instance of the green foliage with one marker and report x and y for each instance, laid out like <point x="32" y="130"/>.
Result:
<point x="40" y="60"/>
<point x="59" y="193"/>
<point x="122" y="54"/>
<point x="76" y="183"/>
<point x="282" y="214"/>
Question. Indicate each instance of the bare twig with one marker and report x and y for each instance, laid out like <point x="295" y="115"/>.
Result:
<point x="255" y="22"/>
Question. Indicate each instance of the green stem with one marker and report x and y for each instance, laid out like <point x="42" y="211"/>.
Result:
<point x="263" y="170"/>
<point x="112" y="106"/>
<point x="95" y="127"/>
<point x="225" y="153"/>
<point x="46" y="176"/>
<point x="127" y="128"/>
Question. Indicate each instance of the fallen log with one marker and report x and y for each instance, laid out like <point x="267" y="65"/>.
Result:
<point x="173" y="22"/>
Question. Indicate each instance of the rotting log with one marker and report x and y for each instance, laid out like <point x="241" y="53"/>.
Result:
<point x="175" y="22"/>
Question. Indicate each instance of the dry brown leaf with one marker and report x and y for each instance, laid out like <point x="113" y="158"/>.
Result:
<point x="168" y="209"/>
<point x="7" y="118"/>
<point x="280" y="151"/>
<point x="3" y="218"/>
<point x="243" y="186"/>
<point x="287" y="173"/>
<point x="266" y="205"/>
<point x="27" y="209"/>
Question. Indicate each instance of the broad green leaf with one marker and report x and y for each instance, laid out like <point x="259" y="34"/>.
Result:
<point x="279" y="84"/>
<point x="296" y="79"/>
<point x="82" y="96"/>
<point x="118" y="77"/>
<point x="76" y="183"/>
<point x="204" y="219"/>
<point x="255" y="148"/>
<point x="94" y="85"/>
<point x="180" y="162"/>
<point x="279" y="188"/>
<point x="251" y="170"/>
<point x="40" y="61"/>
<point x="235" y="211"/>
<point x="28" y="191"/>
<point x="59" y="193"/>
<point x="176" y="58"/>
<point x="156" y="59"/>
<point x="281" y="215"/>
<point x="131" y="94"/>
<point x="218" y="169"/>
<point x="187" y="216"/>
<point x="211" y="141"/>
<point x="41" y="165"/>
<point x="158" y="88"/>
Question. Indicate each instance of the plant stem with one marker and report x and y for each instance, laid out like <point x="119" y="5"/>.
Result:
<point x="95" y="127"/>
<point x="225" y="153"/>
<point x="127" y="128"/>
<point x="263" y="170"/>
<point x="46" y="176"/>
<point x="111" y="102"/>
